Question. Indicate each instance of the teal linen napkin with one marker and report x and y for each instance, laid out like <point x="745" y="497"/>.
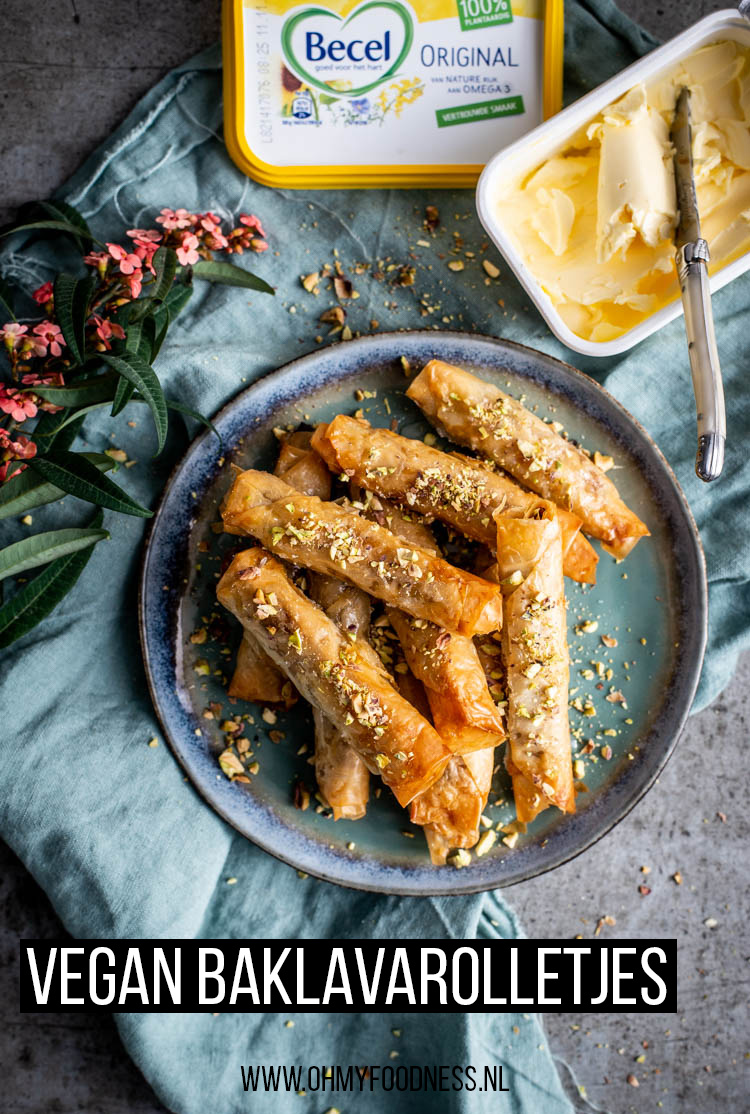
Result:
<point x="108" y="826"/>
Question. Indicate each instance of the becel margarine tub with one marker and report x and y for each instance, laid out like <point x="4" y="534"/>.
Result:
<point x="584" y="207"/>
<point x="385" y="92"/>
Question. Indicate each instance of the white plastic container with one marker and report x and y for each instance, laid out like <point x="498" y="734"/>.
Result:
<point x="549" y="138"/>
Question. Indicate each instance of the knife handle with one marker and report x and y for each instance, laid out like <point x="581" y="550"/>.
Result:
<point x="692" y="269"/>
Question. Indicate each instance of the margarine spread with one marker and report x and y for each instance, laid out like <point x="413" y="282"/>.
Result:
<point x="385" y="92"/>
<point x="595" y="223"/>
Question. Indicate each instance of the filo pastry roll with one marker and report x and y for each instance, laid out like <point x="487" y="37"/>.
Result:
<point x="475" y="413"/>
<point x="256" y="677"/>
<point x="336" y="675"/>
<point x="535" y="652"/>
<point x="342" y="776"/>
<point x="301" y="467"/>
<point x="336" y="540"/>
<point x="459" y="491"/>
<point x="446" y="664"/>
<point x="464" y="713"/>
<point x="449" y="810"/>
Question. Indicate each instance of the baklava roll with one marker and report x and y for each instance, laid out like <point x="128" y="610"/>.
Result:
<point x="535" y="652"/>
<point x="336" y="540"/>
<point x="335" y="674"/>
<point x="302" y="468"/>
<point x="257" y="678"/>
<point x="449" y="810"/>
<point x="475" y="413"/>
<point x="343" y="778"/>
<point x="464" y="713"/>
<point x="459" y="491"/>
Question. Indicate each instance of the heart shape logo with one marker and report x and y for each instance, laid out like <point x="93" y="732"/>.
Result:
<point x="374" y="50"/>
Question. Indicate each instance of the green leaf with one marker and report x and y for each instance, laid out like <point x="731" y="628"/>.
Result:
<point x="177" y="298"/>
<point x="142" y="339"/>
<point x="74" y="474"/>
<point x="72" y="298"/>
<point x="122" y="397"/>
<point x="143" y="377"/>
<point x="161" y="324"/>
<point x="99" y="388"/>
<point x="26" y="490"/>
<point x="165" y="266"/>
<point x="32" y="603"/>
<point x="60" y="210"/>
<point x="72" y="417"/>
<point x="64" y="439"/>
<point x="229" y="275"/>
<point x="49" y="225"/>
<point x="180" y="408"/>
<point x="40" y="549"/>
<point x="6" y="301"/>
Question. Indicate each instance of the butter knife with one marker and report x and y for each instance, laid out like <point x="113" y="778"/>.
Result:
<point x="692" y="269"/>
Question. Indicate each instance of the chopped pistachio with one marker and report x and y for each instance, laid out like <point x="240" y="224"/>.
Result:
<point x="514" y="579"/>
<point x="230" y="764"/>
<point x="588" y="627"/>
<point x="459" y="858"/>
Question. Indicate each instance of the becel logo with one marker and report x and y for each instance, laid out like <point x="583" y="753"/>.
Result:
<point x="371" y="43"/>
<point x="357" y="50"/>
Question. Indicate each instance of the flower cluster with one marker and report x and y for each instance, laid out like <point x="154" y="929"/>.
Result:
<point x="14" y="450"/>
<point x="38" y="354"/>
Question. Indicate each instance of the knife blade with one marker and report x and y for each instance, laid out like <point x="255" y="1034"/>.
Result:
<point x="691" y="260"/>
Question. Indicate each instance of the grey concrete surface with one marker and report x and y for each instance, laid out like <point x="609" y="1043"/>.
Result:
<point x="70" y="71"/>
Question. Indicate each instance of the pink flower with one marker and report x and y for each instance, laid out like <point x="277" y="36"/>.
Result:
<point x="43" y="294"/>
<point x="134" y="283"/>
<point x="251" y="221"/>
<point x="12" y="335"/>
<point x="144" y="235"/>
<point x="187" y="252"/>
<point x="45" y="379"/>
<point x="49" y="336"/>
<point x="215" y="238"/>
<point x="18" y="405"/>
<point x="20" y="449"/>
<point x="98" y="259"/>
<point x="145" y="252"/>
<point x="128" y="261"/>
<point x="106" y="329"/>
<point x="171" y="219"/>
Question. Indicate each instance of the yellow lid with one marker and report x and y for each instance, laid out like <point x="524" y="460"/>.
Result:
<point x="385" y="92"/>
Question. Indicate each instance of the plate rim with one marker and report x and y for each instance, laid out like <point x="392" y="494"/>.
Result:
<point x="460" y="882"/>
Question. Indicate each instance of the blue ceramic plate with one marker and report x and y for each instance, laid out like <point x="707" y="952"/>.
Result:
<point x="653" y="604"/>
